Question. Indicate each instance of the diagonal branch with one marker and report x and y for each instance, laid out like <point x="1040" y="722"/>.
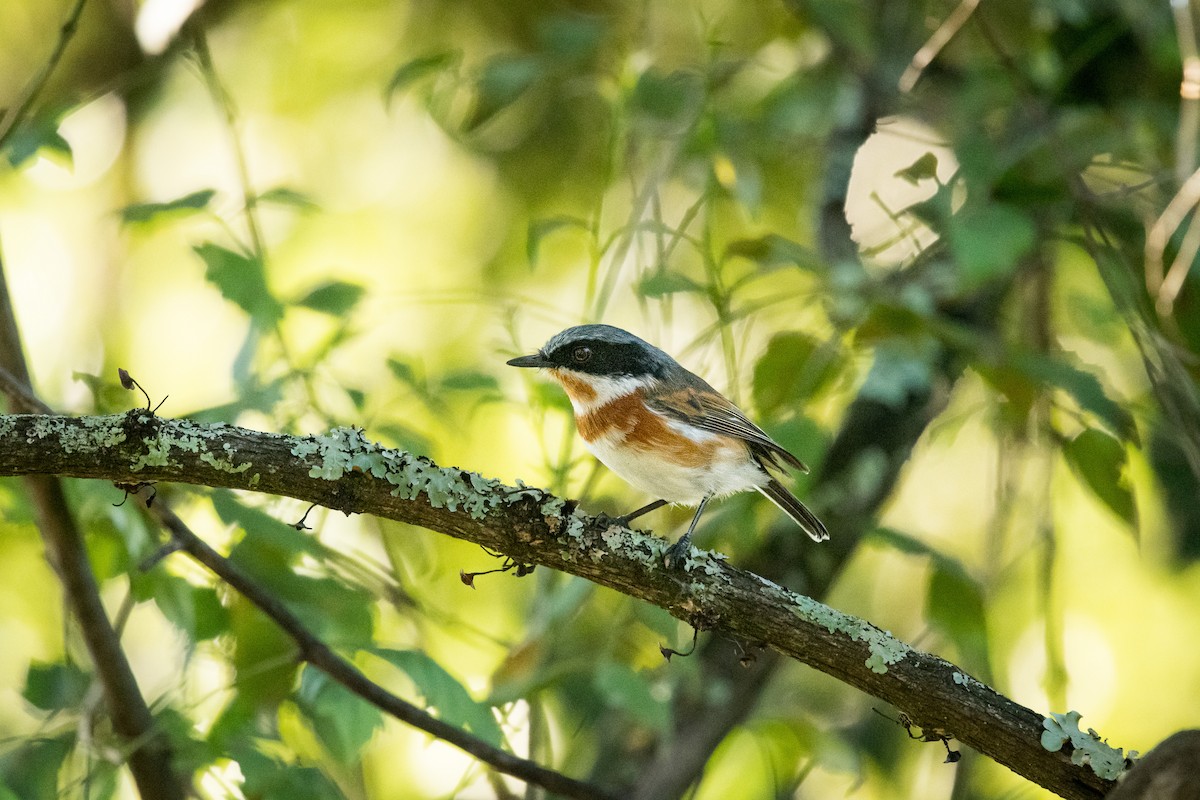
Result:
<point x="314" y="651"/>
<point x="343" y="471"/>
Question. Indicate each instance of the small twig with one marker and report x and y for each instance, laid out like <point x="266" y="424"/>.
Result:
<point x="509" y="564"/>
<point x="925" y="735"/>
<point x="1189" y="90"/>
<point x="129" y="383"/>
<point x="940" y="38"/>
<point x="321" y="656"/>
<point x="301" y="525"/>
<point x="9" y="123"/>
<point x="667" y="652"/>
<point x="133" y="489"/>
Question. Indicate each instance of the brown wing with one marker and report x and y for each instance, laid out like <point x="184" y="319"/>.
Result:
<point x="710" y="411"/>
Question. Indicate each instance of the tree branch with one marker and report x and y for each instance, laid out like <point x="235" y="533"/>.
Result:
<point x="151" y="757"/>
<point x="343" y="471"/>
<point x="314" y="651"/>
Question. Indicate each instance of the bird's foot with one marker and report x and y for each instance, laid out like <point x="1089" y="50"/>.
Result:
<point x="677" y="553"/>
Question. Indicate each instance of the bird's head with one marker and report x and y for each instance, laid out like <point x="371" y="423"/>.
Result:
<point x="598" y="363"/>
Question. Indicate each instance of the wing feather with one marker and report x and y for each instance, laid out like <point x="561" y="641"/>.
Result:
<point x="710" y="411"/>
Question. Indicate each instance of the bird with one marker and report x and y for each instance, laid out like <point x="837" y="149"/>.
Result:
<point x="663" y="429"/>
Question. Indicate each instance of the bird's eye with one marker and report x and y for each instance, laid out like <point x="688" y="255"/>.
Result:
<point x="581" y="354"/>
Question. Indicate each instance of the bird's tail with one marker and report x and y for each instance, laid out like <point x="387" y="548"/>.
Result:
<point x="774" y="491"/>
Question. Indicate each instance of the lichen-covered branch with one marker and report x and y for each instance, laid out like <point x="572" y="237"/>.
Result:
<point x="344" y="471"/>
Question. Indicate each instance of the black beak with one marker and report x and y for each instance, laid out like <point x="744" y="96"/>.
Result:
<point x="535" y="360"/>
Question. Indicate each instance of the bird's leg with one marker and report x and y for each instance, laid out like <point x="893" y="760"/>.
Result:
<point x="676" y="552"/>
<point x="632" y="515"/>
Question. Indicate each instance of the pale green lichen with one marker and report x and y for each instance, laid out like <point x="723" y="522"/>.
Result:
<point x="885" y="649"/>
<point x="226" y="465"/>
<point x="1087" y="749"/>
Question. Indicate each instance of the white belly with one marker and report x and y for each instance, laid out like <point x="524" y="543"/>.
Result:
<point x="733" y="471"/>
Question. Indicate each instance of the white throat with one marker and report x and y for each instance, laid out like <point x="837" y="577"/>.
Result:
<point x="607" y="389"/>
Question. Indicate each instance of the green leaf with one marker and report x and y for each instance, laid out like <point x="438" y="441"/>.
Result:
<point x="412" y="71"/>
<point x="442" y="692"/>
<point x="628" y="690"/>
<point x="924" y="168"/>
<point x="772" y="250"/>
<point x="30" y="769"/>
<point x="501" y="83"/>
<point x="189" y="203"/>
<point x="673" y="99"/>
<point x="53" y="687"/>
<point x="34" y="135"/>
<point x="794" y="368"/>
<point x="195" y="610"/>
<point x="662" y="282"/>
<point x="267" y="778"/>
<point x="570" y="37"/>
<point x="539" y="229"/>
<point x="988" y="241"/>
<point x="471" y="381"/>
<point x="954" y="605"/>
<point x="283" y="196"/>
<point x="335" y="298"/>
<point x="342" y="721"/>
<point x="1084" y="387"/>
<point x="242" y="281"/>
<point x="1099" y="459"/>
<point x="268" y="551"/>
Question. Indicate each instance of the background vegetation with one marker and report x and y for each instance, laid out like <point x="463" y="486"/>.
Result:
<point x="960" y="287"/>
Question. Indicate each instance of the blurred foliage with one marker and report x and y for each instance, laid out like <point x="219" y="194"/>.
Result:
<point x="289" y="216"/>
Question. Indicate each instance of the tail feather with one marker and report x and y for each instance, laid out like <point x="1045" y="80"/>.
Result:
<point x="774" y="491"/>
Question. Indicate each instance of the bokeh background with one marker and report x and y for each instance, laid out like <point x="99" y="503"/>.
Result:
<point x="932" y="285"/>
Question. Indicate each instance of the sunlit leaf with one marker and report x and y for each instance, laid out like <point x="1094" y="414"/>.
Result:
<point x="56" y="686"/>
<point x="342" y="720"/>
<point x="266" y="778"/>
<point x="336" y="298"/>
<point x="284" y="196"/>
<point x="34" y="135"/>
<point x="29" y="770"/>
<point x="989" y="241"/>
<point x="444" y="693"/>
<point x="794" y="367"/>
<point x="773" y="250"/>
<point x="662" y="282"/>
<point x="241" y="280"/>
<point x="501" y="83"/>
<point x="189" y="203"/>
<point x="1099" y="460"/>
<point x="412" y="71"/>
<point x="471" y="381"/>
<point x="1084" y="387"/>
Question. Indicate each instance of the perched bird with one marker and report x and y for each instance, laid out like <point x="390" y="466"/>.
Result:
<point x="663" y="429"/>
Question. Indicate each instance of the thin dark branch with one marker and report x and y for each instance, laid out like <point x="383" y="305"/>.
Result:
<point x="319" y="655"/>
<point x="9" y="123"/>
<point x="345" y="472"/>
<point x="150" y="757"/>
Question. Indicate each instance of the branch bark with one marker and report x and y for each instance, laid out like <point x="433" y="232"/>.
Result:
<point x="343" y="471"/>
